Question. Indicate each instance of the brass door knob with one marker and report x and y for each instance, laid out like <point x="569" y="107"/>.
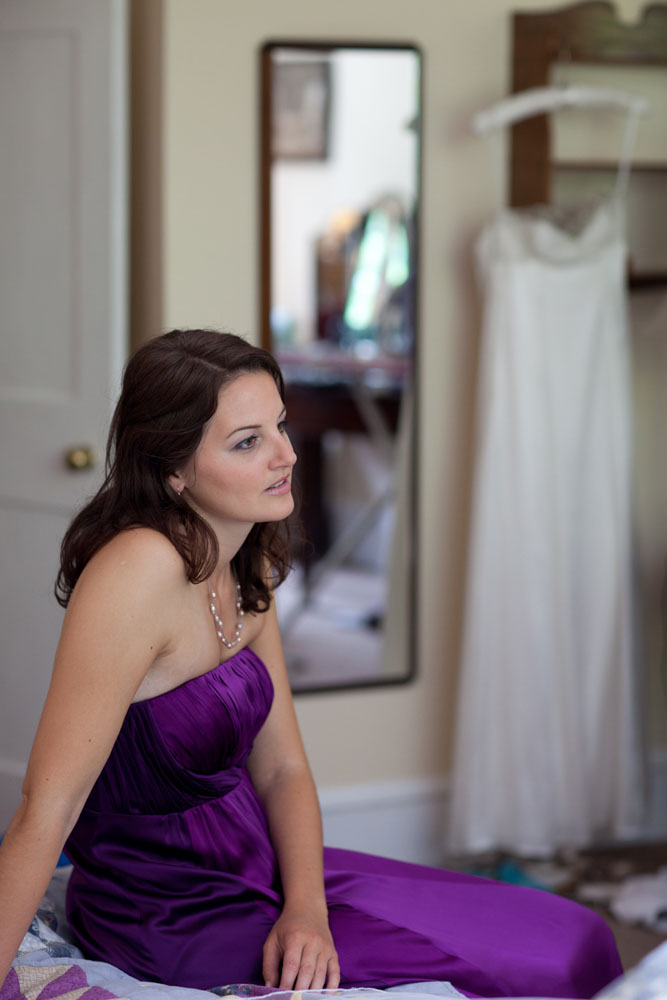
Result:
<point x="80" y="457"/>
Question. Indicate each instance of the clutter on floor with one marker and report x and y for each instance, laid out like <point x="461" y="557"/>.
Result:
<point x="629" y="881"/>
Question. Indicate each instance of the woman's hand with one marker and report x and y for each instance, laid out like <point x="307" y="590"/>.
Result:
<point x="299" y="952"/>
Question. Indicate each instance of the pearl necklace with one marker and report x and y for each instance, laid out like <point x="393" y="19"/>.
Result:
<point x="229" y="643"/>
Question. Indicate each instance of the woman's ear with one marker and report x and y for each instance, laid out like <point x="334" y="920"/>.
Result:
<point x="176" y="482"/>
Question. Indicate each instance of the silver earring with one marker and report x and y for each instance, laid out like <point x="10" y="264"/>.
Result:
<point x="179" y="491"/>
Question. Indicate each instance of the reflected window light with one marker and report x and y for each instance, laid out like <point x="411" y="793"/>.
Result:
<point x="383" y="260"/>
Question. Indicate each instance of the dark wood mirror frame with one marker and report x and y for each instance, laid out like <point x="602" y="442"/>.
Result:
<point x="302" y="409"/>
<point x="588" y="32"/>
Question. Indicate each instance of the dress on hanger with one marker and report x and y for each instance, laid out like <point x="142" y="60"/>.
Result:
<point x="547" y="748"/>
<point x="176" y="880"/>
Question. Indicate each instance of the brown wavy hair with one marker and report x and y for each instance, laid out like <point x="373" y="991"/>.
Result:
<point x="169" y="393"/>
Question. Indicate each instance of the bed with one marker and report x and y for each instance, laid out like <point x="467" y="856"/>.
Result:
<point x="49" y="966"/>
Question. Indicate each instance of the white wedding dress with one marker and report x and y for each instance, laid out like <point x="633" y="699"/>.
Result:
<point x="547" y="748"/>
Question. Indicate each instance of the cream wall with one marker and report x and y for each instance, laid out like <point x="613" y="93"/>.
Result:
<point x="210" y="277"/>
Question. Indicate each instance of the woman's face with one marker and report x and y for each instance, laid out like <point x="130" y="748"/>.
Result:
<point x="242" y="470"/>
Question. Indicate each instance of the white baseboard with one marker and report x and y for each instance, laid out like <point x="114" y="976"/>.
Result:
<point x="397" y="819"/>
<point x="12" y="773"/>
<point x="408" y="819"/>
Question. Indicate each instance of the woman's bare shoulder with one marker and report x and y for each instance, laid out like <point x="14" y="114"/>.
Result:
<point x="136" y="557"/>
<point x="143" y="543"/>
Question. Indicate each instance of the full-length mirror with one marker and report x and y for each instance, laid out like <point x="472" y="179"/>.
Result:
<point x="340" y="208"/>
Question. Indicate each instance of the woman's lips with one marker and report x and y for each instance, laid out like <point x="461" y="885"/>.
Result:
<point x="281" y="487"/>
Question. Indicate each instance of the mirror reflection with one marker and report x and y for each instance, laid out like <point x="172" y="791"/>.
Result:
<point x="340" y="160"/>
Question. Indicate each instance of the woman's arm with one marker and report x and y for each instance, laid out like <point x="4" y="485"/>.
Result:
<point x="115" y="626"/>
<point x="299" y="952"/>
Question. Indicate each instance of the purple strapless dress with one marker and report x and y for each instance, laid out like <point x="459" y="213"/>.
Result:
<point x="175" y="878"/>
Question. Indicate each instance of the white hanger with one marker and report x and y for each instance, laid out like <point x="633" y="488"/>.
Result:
<point x="538" y="100"/>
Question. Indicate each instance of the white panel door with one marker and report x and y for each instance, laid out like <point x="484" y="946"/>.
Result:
<point x="62" y="315"/>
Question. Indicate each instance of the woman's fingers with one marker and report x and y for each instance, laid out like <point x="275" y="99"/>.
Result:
<point x="308" y="967"/>
<point x="305" y="968"/>
<point x="318" y="968"/>
<point x="271" y="962"/>
<point x="291" y="965"/>
<point x="325" y="973"/>
<point x="298" y="958"/>
<point x="333" y="973"/>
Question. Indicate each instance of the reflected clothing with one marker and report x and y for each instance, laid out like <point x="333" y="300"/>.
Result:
<point x="176" y="880"/>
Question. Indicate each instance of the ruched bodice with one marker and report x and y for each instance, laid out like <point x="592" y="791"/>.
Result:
<point x="189" y="744"/>
<point x="176" y="879"/>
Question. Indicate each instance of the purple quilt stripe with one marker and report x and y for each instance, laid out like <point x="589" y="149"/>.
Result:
<point x="72" y="979"/>
<point x="10" y="988"/>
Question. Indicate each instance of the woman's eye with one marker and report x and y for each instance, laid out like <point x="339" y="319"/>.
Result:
<point x="282" y="426"/>
<point x="246" y="444"/>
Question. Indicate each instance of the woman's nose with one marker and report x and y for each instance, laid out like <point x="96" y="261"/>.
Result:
<point x="285" y="454"/>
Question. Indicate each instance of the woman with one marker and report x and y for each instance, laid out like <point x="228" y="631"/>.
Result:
<point x="168" y="756"/>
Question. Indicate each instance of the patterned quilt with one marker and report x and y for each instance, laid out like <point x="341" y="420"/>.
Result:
<point x="48" y="982"/>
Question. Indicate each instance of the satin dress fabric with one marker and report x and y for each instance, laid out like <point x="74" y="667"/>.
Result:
<point x="175" y="879"/>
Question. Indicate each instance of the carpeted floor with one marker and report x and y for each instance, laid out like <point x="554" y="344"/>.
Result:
<point x="633" y="942"/>
<point x="611" y="865"/>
